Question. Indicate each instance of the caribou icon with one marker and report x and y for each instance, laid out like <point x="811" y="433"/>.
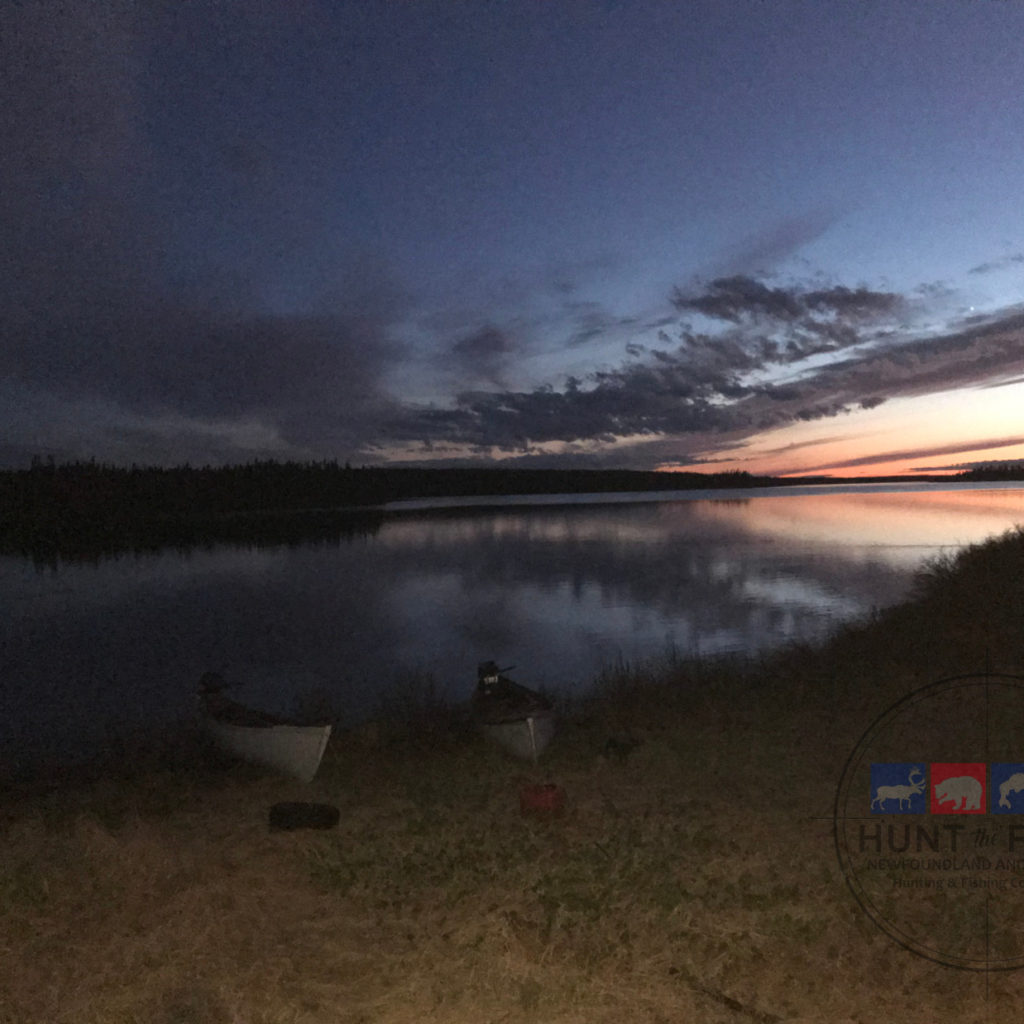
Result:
<point x="901" y="793"/>
<point x="1014" y="784"/>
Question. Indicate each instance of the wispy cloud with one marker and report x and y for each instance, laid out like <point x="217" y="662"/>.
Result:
<point x="1000" y="264"/>
<point x="796" y="446"/>
<point x="761" y="252"/>
<point x="730" y="382"/>
<point x="909" y="454"/>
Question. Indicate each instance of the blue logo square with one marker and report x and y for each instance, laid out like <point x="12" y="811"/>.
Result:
<point x="899" y="788"/>
<point x="1007" y="789"/>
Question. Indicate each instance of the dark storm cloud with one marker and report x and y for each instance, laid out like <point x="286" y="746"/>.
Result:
<point x="741" y="299"/>
<point x="889" y="369"/>
<point x="855" y="303"/>
<point x="104" y="337"/>
<point x="486" y="344"/>
<point x="795" y="323"/>
<point x="312" y="380"/>
<point x="636" y="400"/>
<point x="708" y="384"/>
<point x="676" y="390"/>
<point x="484" y="355"/>
<point x="979" y="355"/>
<point x="872" y="402"/>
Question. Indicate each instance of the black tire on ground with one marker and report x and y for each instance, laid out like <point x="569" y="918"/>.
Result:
<point x="288" y="816"/>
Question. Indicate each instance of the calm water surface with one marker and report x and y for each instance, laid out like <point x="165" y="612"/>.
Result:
<point x="89" y="652"/>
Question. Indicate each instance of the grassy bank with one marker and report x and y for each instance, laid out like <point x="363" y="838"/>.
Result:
<point x="692" y="878"/>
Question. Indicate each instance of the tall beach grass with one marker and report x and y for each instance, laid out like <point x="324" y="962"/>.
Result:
<point x="692" y="877"/>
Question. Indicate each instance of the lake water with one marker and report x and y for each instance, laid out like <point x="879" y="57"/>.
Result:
<point x="559" y="588"/>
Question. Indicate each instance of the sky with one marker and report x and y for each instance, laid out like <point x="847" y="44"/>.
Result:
<point x="776" y="236"/>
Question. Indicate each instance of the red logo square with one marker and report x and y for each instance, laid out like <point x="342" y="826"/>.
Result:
<point x="958" y="788"/>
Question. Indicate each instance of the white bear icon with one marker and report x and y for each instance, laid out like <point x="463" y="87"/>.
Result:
<point x="962" y="791"/>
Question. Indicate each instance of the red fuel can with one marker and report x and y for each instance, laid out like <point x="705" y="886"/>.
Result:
<point x="542" y="799"/>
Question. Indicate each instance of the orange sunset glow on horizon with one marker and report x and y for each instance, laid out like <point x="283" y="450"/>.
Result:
<point x="933" y="435"/>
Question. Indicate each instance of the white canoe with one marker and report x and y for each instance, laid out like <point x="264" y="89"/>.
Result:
<point x="526" y="738"/>
<point x="519" y="720"/>
<point x="294" y="750"/>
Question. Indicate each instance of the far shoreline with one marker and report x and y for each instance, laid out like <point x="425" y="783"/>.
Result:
<point x="890" y="485"/>
<point x="88" y="511"/>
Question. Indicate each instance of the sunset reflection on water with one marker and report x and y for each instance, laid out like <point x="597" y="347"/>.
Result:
<point x="561" y="591"/>
<point x="891" y="520"/>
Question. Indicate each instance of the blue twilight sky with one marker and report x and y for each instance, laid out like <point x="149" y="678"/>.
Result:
<point x="776" y="236"/>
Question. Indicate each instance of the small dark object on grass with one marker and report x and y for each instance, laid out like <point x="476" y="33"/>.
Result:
<point x="545" y="800"/>
<point x="289" y="816"/>
<point x="620" y="747"/>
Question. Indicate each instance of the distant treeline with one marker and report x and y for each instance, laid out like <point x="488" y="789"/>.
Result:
<point x="992" y="473"/>
<point x="89" y="509"/>
<point x="86" y="510"/>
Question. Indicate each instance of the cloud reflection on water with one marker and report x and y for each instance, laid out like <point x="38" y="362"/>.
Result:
<point x="557" y="590"/>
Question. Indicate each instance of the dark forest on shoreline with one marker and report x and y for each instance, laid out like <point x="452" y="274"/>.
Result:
<point x="84" y="510"/>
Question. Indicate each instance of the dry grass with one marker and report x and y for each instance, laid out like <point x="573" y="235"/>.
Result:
<point x="693" y="877"/>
